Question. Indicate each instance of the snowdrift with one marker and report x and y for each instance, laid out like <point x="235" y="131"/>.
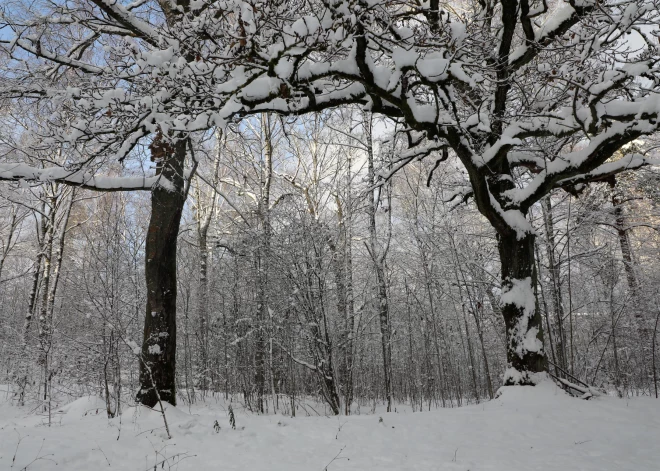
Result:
<point x="525" y="428"/>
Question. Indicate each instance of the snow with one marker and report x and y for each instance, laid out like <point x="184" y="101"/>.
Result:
<point x="83" y="406"/>
<point x="154" y="349"/>
<point x="458" y="31"/>
<point x="18" y="171"/>
<point x="521" y="294"/>
<point x="305" y="26"/>
<point x="515" y="219"/>
<point x="525" y="428"/>
<point x="404" y="58"/>
<point x="134" y="347"/>
<point x="562" y="14"/>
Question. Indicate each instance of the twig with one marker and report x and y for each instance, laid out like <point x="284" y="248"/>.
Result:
<point x="164" y="461"/>
<point x="104" y="456"/>
<point x="39" y="457"/>
<point x="340" y="427"/>
<point x="160" y="403"/>
<point x="20" y="439"/>
<point x="335" y="458"/>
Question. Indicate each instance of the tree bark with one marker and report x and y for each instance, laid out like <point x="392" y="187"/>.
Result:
<point x="525" y="355"/>
<point x="158" y="358"/>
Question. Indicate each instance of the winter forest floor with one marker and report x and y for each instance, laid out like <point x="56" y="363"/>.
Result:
<point x="526" y="428"/>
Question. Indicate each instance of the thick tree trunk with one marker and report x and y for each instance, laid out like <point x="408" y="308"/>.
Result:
<point x="524" y="328"/>
<point x="158" y="359"/>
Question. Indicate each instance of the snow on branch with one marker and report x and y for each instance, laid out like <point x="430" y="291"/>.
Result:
<point x="129" y="21"/>
<point x="82" y="179"/>
<point x="608" y="169"/>
<point x="587" y="391"/>
<point x="569" y="84"/>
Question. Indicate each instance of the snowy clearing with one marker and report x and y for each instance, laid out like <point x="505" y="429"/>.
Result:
<point x="526" y="428"/>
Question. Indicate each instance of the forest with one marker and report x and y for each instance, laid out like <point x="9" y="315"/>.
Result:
<point x="293" y="279"/>
<point x="319" y="208"/>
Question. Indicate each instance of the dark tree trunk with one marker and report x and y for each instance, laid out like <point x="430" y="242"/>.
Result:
<point x="157" y="368"/>
<point x="524" y="328"/>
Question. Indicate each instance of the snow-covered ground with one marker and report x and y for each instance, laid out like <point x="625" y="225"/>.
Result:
<point x="526" y="428"/>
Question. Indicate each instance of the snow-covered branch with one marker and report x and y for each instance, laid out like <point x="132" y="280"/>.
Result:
<point x="82" y="179"/>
